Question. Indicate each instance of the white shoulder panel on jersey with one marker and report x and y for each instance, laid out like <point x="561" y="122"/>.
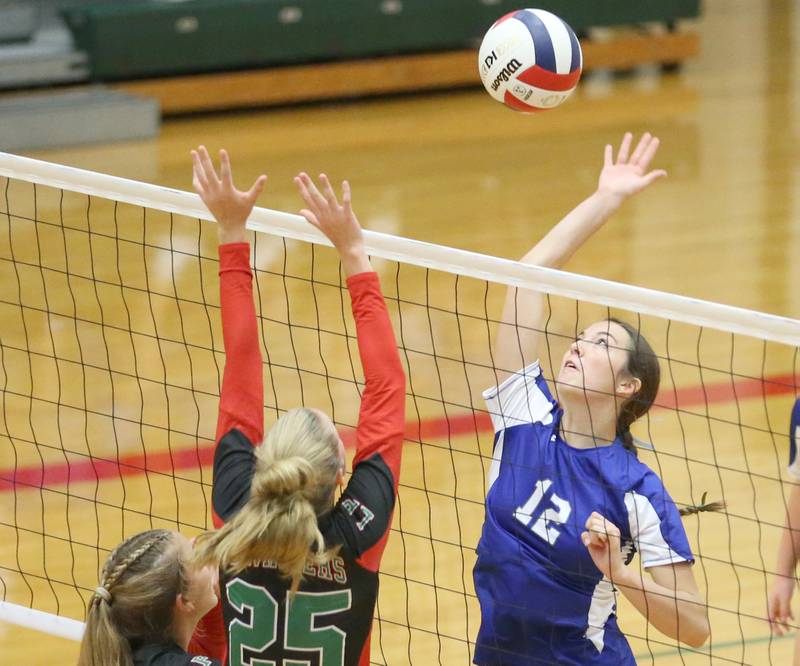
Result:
<point x="645" y="527"/>
<point x="519" y="400"/>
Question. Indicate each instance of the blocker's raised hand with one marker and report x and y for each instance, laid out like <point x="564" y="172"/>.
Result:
<point x="336" y="220"/>
<point x="229" y="206"/>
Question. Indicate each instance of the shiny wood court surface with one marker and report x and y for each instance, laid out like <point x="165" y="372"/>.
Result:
<point x="459" y="170"/>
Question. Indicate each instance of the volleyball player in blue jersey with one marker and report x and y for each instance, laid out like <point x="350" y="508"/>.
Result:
<point x="779" y="605"/>
<point x="569" y="503"/>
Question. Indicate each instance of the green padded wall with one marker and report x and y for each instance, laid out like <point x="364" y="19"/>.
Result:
<point x="151" y="38"/>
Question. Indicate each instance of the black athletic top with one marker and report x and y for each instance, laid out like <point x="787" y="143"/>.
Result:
<point x="169" y="654"/>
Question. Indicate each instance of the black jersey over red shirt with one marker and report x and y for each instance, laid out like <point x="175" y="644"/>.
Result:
<point x="329" y="620"/>
<point x="168" y="654"/>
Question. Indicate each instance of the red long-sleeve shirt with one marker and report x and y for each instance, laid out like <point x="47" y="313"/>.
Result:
<point x="333" y="610"/>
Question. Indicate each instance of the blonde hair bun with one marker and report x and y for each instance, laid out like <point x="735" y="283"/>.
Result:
<point x="284" y="477"/>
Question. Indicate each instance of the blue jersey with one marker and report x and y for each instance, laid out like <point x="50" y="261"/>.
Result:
<point x="794" y="439"/>
<point x="542" y="599"/>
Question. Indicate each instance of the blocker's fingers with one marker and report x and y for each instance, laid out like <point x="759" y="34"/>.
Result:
<point x="310" y="217"/>
<point x="641" y="148"/>
<point x="225" y="172"/>
<point x="624" y="148"/>
<point x="198" y="176"/>
<point x="302" y="182"/>
<point x="608" y="156"/>
<point x="347" y="198"/>
<point x="327" y="191"/>
<point x="258" y="187"/>
<point x="208" y="166"/>
<point x="316" y="196"/>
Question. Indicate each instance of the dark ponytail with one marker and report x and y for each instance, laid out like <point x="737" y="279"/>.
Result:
<point x="703" y="507"/>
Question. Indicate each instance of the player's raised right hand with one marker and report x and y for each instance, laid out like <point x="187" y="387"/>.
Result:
<point x="336" y="220"/>
<point x="628" y="173"/>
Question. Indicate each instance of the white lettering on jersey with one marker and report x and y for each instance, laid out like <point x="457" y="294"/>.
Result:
<point x="543" y="525"/>
<point x="350" y="505"/>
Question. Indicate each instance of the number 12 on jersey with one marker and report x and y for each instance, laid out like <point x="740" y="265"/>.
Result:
<point x="300" y="633"/>
<point x="543" y="525"/>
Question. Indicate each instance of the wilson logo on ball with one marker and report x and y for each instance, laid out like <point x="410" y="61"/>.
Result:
<point x="506" y="73"/>
<point x="530" y="60"/>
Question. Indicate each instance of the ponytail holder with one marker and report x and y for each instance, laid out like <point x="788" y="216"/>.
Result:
<point x="103" y="594"/>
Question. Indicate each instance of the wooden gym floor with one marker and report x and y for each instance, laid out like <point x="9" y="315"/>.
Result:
<point x="455" y="169"/>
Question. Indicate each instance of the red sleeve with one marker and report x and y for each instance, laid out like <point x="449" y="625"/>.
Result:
<point x="381" y="420"/>
<point x="210" y="637"/>
<point x="242" y="398"/>
<point x="241" y="403"/>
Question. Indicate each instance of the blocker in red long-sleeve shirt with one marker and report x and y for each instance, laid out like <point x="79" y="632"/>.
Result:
<point x="330" y="618"/>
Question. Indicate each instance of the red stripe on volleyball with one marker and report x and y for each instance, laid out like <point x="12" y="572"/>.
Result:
<point x="546" y="80"/>
<point x="504" y="18"/>
<point x="518" y="105"/>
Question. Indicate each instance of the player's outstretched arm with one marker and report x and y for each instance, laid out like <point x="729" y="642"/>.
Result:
<point x="381" y="418"/>
<point x="670" y="600"/>
<point x="779" y="602"/>
<point x="241" y="401"/>
<point x="516" y="344"/>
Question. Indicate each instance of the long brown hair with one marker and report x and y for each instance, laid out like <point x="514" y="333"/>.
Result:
<point x="643" y="365"/>
<point x="293" y="483"/>
<point x="135" y="600"/>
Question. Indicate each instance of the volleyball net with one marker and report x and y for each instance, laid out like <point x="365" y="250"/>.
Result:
<point x="111" y="358"/>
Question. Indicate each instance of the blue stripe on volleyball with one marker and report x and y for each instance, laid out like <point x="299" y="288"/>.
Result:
<point x="545" y="53"/>
<point x="576" y="48"/>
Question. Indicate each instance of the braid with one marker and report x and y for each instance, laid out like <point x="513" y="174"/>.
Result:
<point x="145" y="573"/>
<point x="112" y="574"/>
<point x="703" y="507"/>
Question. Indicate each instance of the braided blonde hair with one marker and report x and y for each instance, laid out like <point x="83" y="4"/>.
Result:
<point x="293" y="483"/>
<point x="135" y="600"/>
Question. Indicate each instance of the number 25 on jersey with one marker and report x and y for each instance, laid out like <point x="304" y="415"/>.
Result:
<point x="300" y="634"/>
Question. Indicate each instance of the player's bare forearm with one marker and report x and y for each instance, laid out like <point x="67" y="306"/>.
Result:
<point x="789" y="548"/>
<point x="564" y="239"/>
<point x="622" y="176"/>
<point x="516" y="344"/>
<point x="680" y="614"/>
<point x="355" y="262"/>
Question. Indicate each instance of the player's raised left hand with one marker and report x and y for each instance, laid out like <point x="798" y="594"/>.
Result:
<point x="602" y="540"/>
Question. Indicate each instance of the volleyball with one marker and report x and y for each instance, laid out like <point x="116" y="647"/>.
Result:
<point x="530" y="60"/>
